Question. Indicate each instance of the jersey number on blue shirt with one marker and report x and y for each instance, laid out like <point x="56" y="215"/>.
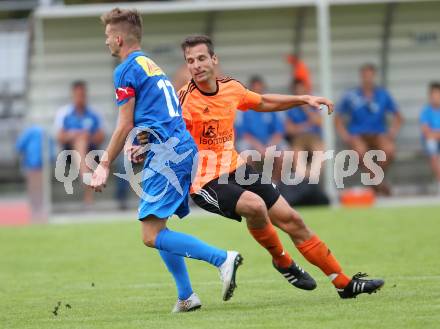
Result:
<point x="168" y="89"/>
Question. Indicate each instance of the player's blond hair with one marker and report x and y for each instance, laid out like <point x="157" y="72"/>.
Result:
<point x="128" y="19"/>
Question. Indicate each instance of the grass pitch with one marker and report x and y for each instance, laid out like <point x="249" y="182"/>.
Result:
<point x="101" y="276"/>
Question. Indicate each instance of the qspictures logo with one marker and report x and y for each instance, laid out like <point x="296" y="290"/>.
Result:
<point x="163" y="163"/>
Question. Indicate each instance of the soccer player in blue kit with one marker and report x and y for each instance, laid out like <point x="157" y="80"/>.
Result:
<point x="146" y="99"/>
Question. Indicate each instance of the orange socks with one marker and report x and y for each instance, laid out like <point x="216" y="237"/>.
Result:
<point x="314" y="250"/>
<point x="268" y="238"/>
<point x="317" y="253"/>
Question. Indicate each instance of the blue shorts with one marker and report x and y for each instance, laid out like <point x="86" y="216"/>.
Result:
<point x="166" y="187"/>
<point x="431" y="146"/>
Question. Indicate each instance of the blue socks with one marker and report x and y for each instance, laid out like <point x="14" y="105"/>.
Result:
<point x="185" y="245"/>
<point x="177" y="267"/>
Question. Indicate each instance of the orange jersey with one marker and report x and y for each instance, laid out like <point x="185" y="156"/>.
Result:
<point x="210" y="120"/>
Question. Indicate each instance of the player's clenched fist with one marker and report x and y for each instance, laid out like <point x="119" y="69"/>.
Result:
<point x="99" y="178"/>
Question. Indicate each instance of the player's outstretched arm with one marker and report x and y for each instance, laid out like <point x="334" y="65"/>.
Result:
<point x="277" y="102"/>
<point x="117" y="141"/>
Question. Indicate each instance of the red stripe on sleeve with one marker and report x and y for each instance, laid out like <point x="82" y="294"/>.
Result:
<point x="124" y="93"/>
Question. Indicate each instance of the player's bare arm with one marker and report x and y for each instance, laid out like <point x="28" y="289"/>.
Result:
<point x="314" y="118"/>
<point x="66" y="137"/>
<point x="429" y="133"/>
<point x="396" y="123"/>
<point x="254" y="143"/>
<point x="117" y="141"/>
<point x="277" y="102"/>
<point x="98" y="137"/>
<point x="340" y="128"/>
<point x="276" y="139"/>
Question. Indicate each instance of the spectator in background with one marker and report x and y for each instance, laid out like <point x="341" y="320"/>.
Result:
<point x="430" y="121"/>
<point x="300" y="72"/>
<point x="367" y="108"/>
<point x="30" y="147"/>
<point x="79" y="127"/>
<point x="260" y="130"/>
<point x="238" y="131"/>
<point x="303" y="131"/>
<point x="303" y="125"/>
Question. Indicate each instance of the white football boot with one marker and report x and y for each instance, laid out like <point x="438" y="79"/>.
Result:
<point x="227" y="273"/>
<point x="190" y="304"/>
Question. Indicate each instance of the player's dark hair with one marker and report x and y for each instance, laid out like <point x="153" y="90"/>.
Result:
<point x="78" y="84"/>
<point x="195" y="40"/>
<point x="129" y="18"/>
<point x="368" y="66"/>
<point x="434" y="85"/>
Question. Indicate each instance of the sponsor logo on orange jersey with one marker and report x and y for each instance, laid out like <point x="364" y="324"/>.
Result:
<point x="210" y="129"/>
<point x="211" y="134"/>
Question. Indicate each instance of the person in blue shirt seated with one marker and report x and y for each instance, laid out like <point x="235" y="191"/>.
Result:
<point x="367" y="109"/>
<point x="29" y="146"/>
<point x="430" y="122"/>
<point x="303" y="125"/>
<point x="79" y="127"/>
<point x="260" y="130"/>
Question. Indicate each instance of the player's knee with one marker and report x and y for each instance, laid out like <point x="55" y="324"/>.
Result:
<point x="257" y="208"/>
<point x="83" y="136"/>
<point x="252" y="206"/>
<point x="149" y="240"/>
<point x="389" y="150"/>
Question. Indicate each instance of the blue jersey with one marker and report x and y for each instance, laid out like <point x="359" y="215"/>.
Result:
<point x="430" y="116"/>
<point x="298" y="115"/>
<point x="157" y="106"/>
<point x="367" y="116"/>
<point x="261" y="126"/>
<point x="168" y="164"/>
<point x="69" y="119"/>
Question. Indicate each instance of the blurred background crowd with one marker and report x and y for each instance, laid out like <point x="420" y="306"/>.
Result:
<point x="56" y="89"/>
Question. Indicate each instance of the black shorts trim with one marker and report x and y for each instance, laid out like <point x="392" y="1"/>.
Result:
<point x="221" y="198"/>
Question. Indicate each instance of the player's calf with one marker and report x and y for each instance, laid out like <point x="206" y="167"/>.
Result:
<point x="289" y="221"/>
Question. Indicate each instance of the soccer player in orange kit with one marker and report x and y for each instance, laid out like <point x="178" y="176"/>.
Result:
<point x="209" y="106"/>
<point x="223" y="186"/>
